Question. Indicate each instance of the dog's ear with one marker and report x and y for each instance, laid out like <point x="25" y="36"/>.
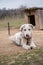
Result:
<point x="22" y="26"/>
<point x="31" y="26"/>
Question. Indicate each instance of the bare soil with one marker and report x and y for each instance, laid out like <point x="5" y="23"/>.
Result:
<point x="7" y="47"/>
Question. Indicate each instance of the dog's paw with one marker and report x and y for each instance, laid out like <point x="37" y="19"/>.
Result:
<point x="32" y="47"/>
<point x="26" y="47"/>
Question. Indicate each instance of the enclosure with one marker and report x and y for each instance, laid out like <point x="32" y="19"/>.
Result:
<point x="35" y="17"/>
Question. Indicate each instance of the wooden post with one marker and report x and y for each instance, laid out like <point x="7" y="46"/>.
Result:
<point x="8" y="28"/>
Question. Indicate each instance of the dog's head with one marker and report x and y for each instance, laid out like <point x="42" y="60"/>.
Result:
<point x="26" y="30"/>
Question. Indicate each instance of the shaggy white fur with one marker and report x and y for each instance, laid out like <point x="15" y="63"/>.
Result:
<point x="24" y="37"/>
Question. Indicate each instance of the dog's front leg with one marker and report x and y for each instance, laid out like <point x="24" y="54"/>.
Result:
<point x="33" y="45"/>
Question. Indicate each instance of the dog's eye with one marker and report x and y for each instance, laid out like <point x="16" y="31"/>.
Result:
<point x="29" y="29"/>
<point x="24" y="29"/>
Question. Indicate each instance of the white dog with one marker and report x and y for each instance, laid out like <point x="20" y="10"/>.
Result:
<point x="24" y="37"/>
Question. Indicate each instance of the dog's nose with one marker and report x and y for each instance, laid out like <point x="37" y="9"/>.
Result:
<point x="27" y="35"/>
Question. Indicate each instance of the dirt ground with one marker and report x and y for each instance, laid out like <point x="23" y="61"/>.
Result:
<point x="7" y="47"/>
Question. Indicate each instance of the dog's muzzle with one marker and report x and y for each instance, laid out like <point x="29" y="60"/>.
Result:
<point x="27" y="36"/>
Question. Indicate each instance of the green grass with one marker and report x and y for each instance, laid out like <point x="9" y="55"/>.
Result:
<point x="16" y="23"/>
<point x="31" y="57"/>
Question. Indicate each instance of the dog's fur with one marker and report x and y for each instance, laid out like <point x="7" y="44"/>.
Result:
<point x="24" y="37"/>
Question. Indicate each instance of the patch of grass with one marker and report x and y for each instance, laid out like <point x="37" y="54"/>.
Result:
<point x="16" y="23"/>
<point x="31" y="57"/>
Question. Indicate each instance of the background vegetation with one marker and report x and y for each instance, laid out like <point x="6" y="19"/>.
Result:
<point x="14" y="22"/>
